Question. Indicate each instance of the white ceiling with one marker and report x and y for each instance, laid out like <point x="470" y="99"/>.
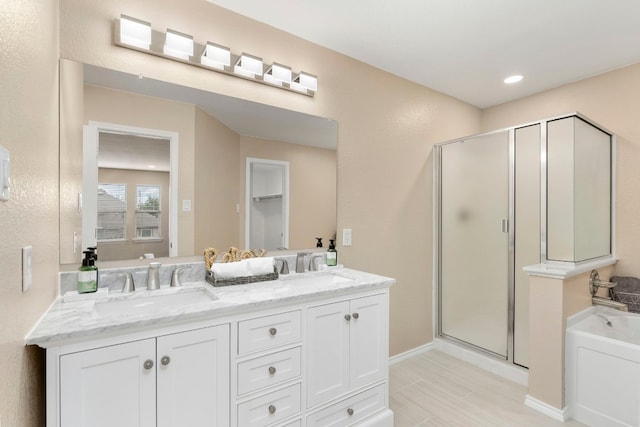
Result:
<point x="465" y="48"/>
<point x="125" y="151"/>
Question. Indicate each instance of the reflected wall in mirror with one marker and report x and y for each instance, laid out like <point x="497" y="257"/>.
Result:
<point x="216" y="136"/>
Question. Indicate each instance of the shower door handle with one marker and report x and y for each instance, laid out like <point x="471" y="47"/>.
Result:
<point x="504" y="225"/>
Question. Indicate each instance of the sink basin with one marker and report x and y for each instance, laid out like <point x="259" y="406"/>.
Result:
<point x="320" y="280"/>
<point x="154" y="301"/>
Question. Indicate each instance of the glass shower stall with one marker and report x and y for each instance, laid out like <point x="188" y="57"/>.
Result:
<point x="535" y="194"/>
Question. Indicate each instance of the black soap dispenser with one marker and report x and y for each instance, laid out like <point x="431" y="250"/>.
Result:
<point x="319" y="242"/>
<point x="332" y="254"/>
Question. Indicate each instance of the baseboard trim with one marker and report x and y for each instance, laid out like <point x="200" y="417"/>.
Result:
<point x="502" y="368"/>
<point x="561" y="415"/>
<point x="411" y="353"/>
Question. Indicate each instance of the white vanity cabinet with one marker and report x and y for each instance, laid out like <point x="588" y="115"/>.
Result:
<point x="346" y="352"/>
<point x="308" y="351"/>
<point x="171" y="380"/>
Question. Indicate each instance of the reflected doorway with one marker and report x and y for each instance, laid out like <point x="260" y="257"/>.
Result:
<point x="267" y="202"/>
<point x="129" y="206"/>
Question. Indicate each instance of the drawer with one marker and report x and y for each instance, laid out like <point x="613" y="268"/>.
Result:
<point x="270" y="408"/>
<point x="351" y="410"/>
<point x="268" y="370"/>
<point x="268" y="331"/>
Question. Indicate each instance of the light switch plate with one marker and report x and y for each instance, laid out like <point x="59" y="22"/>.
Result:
<point x="346" y="237"/>
<point x="5" y="175"/>
<point x="26" y="268"/>
<point x="186" y="206"/>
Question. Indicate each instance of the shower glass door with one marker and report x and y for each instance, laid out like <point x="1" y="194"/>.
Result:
<point x="474" y="241"/>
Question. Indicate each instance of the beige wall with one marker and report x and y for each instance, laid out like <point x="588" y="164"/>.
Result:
<point x="386" y="129"/>
<point x="29" y="123"/>
<point x="312" y="188"/>
<point x="122" y="108"/>
<point x="132" y="249"/>
<point x="551" y="302"/>
<point x="217" y="155"/>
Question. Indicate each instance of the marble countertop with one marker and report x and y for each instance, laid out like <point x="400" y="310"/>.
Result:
<point x="77" y="320"/>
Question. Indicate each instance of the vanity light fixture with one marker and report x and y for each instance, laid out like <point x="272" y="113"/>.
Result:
<point x="248" y="65"/>
<point x="278" y="74"/>
<point x="178" y="44"/>
<point x="216" y="56"/>
<point x="135" y="32"/>
<point x="305" y="81"/>
<point x="513" y="79"/>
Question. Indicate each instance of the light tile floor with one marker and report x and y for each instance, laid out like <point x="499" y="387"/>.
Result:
<point x="435" y="389"/>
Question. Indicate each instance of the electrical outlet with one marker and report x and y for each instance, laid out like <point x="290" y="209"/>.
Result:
<point x="346" y="237"/>
<point x="26" y="268"/>
<point x="186" y="206"/>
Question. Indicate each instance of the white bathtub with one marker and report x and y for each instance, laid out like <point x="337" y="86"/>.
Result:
<point x="603" y="368"/>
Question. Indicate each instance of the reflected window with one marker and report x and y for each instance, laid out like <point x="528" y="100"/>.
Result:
<point x="112" y="212"/>
<point x="148" y="213"/>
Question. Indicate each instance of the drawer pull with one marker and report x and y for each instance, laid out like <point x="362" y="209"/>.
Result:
<point x="350" y="411"/>
<point x="148" y="364"/>
<point x="347" y="317"/>
<point x="356" y="315"/>
<point x="165" y="360"/>
<point x="272" y="370"/>
<point x="272" y="409"/>
<point x="273" y="331"/>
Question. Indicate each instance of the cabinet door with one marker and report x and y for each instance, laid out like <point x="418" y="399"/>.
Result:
<point x="368" y="340"/>
<point x="109" y="386"/>
<point x="193" y="378"/>
<point x="327" y="352"/>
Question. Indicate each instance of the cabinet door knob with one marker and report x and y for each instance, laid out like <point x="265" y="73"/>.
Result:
<point x="272" y="409"/>
<point x="148" y="364"/>
<point x="347" y="317"/>
<point x="350" y="411"/>
<point x="272" y="370"/>
<point x="165" y="360"/>
<point x="273" y="331"/>
<point x="356" y="315"/>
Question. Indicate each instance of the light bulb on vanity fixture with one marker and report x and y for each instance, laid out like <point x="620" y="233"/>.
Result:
<point x="178" y="44"/>
<point x="248" y="66"/>
<point x="216" y="56"/>
<point x="278" y="74"/>
<point x="135" y="32"/>
<point x="304" y="82"/>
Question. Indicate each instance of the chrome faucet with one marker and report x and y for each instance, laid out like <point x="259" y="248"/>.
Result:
<point x="313" y="266"/>
<point x="175" y="277"/>
<point x="153" y="276"/>
<point x="128" y="285"/>
<point x="300" y="261"/>
<point x="285" y="266"/>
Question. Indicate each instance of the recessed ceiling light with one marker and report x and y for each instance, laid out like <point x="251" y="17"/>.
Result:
<point x="513" y="79"/>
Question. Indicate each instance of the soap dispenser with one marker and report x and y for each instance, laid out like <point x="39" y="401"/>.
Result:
<point x="87" y="274"/>
<point x="332" y="254"/>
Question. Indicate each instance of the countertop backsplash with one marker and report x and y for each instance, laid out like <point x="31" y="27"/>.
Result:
<point x="194" y="272"/>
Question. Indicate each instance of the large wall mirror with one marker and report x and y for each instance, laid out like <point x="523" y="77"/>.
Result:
<point x="216" y="134"/>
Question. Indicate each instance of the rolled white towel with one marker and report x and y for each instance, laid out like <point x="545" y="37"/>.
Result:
<point x="261" y="266"/>
<point x="231" y="270"/>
